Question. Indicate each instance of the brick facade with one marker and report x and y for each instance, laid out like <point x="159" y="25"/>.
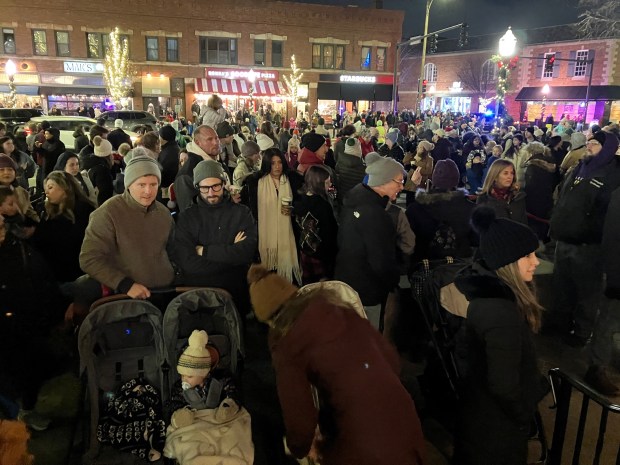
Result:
<point x="295" y="23"/>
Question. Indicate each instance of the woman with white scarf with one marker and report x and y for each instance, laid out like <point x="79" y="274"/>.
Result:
<point x="270" y="194"/>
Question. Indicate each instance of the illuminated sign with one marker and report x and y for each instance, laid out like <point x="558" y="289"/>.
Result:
<point x="82" y="67"/>
<point x="358" y="79"/>
<point x="228" y="73"/>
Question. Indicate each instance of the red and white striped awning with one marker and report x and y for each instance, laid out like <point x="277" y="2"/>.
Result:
<point x="239" y="87"/>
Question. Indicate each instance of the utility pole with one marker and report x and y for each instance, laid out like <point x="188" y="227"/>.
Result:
<point x="418" y="95"/>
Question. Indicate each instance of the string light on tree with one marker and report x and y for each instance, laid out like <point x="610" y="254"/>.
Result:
<point x="292" y="82"/>
<point x="117" y="67"/>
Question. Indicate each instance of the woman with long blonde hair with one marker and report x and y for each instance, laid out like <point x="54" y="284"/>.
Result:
<point x="502" y="384"/>
<point x="501" y="192"/>
<point x="60" y="234"/>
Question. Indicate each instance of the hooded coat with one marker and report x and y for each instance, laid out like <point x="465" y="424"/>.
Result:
<point x="100" y="173"/>
<point x="366" y="246"/>
<point x="366" y="416"/>
<point x="503" y="385"/>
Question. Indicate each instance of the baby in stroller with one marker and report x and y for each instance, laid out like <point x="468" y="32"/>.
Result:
<point x="207" y="420"/>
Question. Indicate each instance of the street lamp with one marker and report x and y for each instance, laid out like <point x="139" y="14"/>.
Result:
<point x="428" y="12"/>
<point x="545" y="91"/>
<point x="10" y="69"/>
<point x="507" y="46"/>
<point x="252" y="79"/>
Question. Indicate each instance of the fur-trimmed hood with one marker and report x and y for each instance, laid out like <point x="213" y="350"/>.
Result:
<point x="424" y="197"/>
<point x="542" y="162"/>
<point x="478" y="282"/>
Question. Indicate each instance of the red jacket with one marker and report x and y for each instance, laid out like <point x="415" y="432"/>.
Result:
<point x="367" y="147"/>
<point x="367" y="417"/>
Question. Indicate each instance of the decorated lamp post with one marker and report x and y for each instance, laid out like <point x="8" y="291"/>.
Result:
<point x="545" y="91"/>
<point x="10" y="69"/>
<point x="507" y="45"/>
<point x="252" y="80"/>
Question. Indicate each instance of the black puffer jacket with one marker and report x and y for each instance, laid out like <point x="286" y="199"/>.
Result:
<point x="366" y="246"/>
<point x="503" y="385"/>
<point x="350" y="171"/>
<point x="169" y="160"/>
<point x="99" y="173"/>
<point x="513" y="209"/>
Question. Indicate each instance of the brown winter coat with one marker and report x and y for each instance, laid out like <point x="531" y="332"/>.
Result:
<point x="367" y="417"/>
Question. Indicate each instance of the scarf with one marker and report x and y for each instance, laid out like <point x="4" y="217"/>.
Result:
<point x="502" y="194"/>
<point x="276" y="242"/>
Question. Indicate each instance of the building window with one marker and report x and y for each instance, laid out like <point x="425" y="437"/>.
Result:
<point x="581" y="66"/>
<point x="489" y="72"/>
<point x="97" y="43"/>
<point x="366" y="54"/>
<point x="8" y="41"/>
<point x="381" y="53"/>
<point x="430" y="72"/>
<point x="548" y="73"/>
<point x="152" y="49"/>
<point x="39" y="39"/>
<point x="218" y="51"/>
<point x="62" y="44"/>
<point x="172" y="49"/>
<point x="276" y="53"/>
<point x="327" y="56"/>
<point x="259" y="52"/>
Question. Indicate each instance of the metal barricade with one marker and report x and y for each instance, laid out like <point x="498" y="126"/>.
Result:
<point x="563" y="386"/>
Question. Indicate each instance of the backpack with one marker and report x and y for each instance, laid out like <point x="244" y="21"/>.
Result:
<point x="309" y="234"/>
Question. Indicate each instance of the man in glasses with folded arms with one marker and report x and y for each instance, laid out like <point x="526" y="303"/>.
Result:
<point x="216" y="238"/>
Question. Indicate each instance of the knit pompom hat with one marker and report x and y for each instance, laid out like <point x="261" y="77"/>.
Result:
<point x="293" y="143"/>
<point x="353" y="147"/>
<point x="140" y="166"/>
<point x="198" y="358"/>
<point x="264" y="141"/>
<point x="502" y="241"/>
<point x="268" y="291"/>
<point x="103" y="148"/>
<point x="381" y="170"/>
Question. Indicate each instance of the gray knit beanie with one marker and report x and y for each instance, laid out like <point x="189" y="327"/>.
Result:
<point x="208" y="169"/>
<point x="249" y="148"/>
<point x="141" y="166"/>
<point x="381" y="170"/>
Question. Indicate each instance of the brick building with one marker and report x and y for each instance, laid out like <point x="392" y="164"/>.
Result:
<point x="187" y="49"/>
<point x="462" y="80"/>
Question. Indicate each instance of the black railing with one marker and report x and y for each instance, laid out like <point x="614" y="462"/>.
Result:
<point x="563" y="386"/>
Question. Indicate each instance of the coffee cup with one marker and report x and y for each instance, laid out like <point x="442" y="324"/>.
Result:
<point x="287" y="206"/>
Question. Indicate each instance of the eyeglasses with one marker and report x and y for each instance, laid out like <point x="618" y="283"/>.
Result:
<point x="398" y="182"/>
<point x="214" y="188"/>
<point x="593" y="142"/>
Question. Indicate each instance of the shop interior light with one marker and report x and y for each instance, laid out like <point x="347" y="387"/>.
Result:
<point x="161" y="75"/>
<point x="149" y="75"/>
<point x="10" y="69"/>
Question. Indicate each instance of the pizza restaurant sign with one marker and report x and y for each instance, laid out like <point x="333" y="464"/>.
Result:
<point x="82" y="67"/>
<point x="234" y="73"/>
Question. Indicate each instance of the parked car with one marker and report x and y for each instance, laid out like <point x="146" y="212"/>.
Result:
<point x="11" y="117"/>
<point x="67" y="126"/>
<point x="131" y="119"/>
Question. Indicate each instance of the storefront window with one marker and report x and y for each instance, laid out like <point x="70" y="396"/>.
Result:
<point x="276" y="53"/>
<point x="39" y="38"/>
<point x="172" y="49"/>
<point x="8" y="41"/>
<point x="218" y="51"/>
<point x="381" y="52"/>
<point x="152" y="49"/>
<point x="62" y="44"/>
<point x="259" y="52"/>
<point x="366" y="53"/>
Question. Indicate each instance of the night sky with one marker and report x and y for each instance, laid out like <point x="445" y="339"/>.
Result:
<point x="483" y="16"/>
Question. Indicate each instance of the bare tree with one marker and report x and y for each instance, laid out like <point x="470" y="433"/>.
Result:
<point x="476" y="77"/>
<point x="601" y="19"/>
<point x="408" y="64"/>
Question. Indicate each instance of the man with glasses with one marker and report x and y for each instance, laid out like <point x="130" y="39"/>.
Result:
<point x="216" y="238"/>
<point x="584" y="219"/>
<point x="366" y="257"/>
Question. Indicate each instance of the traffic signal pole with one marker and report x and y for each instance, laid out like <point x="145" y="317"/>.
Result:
<point x="414" y="41"/>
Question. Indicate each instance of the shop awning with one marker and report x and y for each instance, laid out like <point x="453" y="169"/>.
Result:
<point x="24" y="90"/>
<point x="354" y="92"/>
<point x="73" y="90"/>
<point x="238" y="87"/>
<point x="569" y="93"/>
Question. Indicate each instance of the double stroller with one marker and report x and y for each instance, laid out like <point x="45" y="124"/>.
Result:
<point x="129" y="352"/>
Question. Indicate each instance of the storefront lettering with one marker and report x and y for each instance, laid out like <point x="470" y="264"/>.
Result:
<point x="241" y="74"/>
<point x="82" y="67"/>
<point x="358" y="79"/>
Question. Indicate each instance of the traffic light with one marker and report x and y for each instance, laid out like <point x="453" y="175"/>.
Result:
<point x="424" y="82"/>
<point x="432" y="43"/>
<point x="463" y="39"/>
<point x="549" y="62"/>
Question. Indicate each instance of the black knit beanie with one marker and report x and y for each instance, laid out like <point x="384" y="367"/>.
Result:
<point x="502" y="241"/>
<point x="313" y="141"/>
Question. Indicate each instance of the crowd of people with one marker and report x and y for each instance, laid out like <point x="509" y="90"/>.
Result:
<point x="312" y="206"/>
